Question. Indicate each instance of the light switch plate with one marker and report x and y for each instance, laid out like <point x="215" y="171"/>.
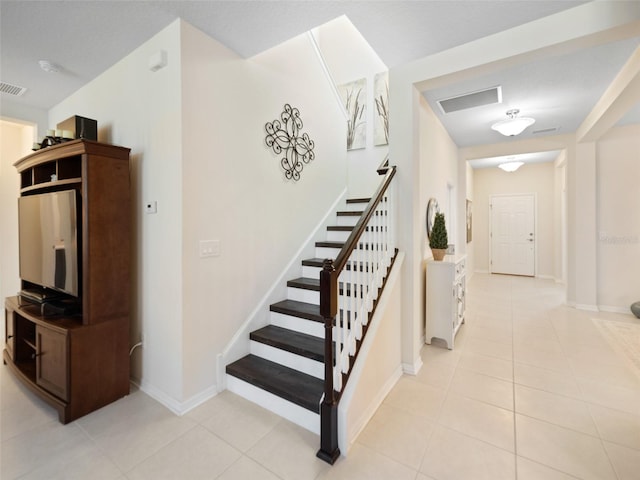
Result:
<point x="209" y="248"/>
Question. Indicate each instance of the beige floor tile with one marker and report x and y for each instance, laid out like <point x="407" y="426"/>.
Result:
<point x="616" y="426"/>
<point x="529" y="470"/>
<point x="137" y="406"/>
<point x="83" y="462"/>
<point x="37" y="448"/>
<point x="550" y="407"/>
<point x="399" y="435"/>
<point x="198" y="454"/>
<point x="246" y="469"/>
<point x="479" y="420"/>
<point x="237" y="421"/>
<point x="490" y="333"/>
<point x="28" y="414"/>
<point x="551" y="360"/>
<point x="435" y="373"/>
<point x="416" y="398"/>
<point x="610" y="395"/>
<point x="289" y="451"/>
<point x="433" y="353"/>
<point x="452" y="456"/>
<point x="489" y="348"/>
<point x="626" y="461"/>
<point x="484" y="388"/>
<point x="524" y="338"/>
<point x="130" y="438"/>
<point x="562" y="449"/>
<point x="491" y="366"/>
<point x="363" y="463"/>
<point x="547" y="380"/>
<point x="614" y="374"/>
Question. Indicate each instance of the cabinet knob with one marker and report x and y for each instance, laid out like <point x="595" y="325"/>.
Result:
<point x="34" y="355"/>
<point x="9" y="336"/>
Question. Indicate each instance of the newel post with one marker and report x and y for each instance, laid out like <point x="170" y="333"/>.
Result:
<point x="329" y="451"/>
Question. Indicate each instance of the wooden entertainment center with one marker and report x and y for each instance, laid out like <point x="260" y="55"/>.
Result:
<point x="79" y="361"/>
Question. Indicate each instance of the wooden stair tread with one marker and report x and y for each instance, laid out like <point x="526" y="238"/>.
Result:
<point x="296" y="387"/>
<point x="294" y="342"/>
<point x="308" y="311"/>
<point x="305" y="283"/>
<point x="313" y="262"/>
<point x="349" y="213"/>
<point x="340" y="228"/>
<point x="330" y="244"/>
<point x="358" y="200"/>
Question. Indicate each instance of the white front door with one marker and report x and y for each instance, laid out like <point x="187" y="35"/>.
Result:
<point x="513" y="240"/>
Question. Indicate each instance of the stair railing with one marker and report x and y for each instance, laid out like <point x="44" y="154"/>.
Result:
<point x="349" y="288"/>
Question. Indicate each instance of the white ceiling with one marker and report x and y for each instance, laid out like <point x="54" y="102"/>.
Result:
<point x="86" y="37"/>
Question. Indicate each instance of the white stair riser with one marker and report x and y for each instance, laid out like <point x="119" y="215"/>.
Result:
<point x="288" y="359"/>
<point x="337" y="236"/>
<point x="311" y="272"/>
<point x="327" y="252"/>
<point x="290" y="411"/>
<point x="353" y="207"/>
<point x="347" y="221"/>
<point x="297" y="324"/>
<point x="302" y="295"/>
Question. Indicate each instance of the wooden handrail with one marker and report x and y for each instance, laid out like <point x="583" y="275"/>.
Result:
<point x="329" y="293"/>
<point x="359" y="229"/>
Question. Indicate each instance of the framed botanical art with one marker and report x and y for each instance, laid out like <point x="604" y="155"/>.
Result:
<point x="354" y="98"/>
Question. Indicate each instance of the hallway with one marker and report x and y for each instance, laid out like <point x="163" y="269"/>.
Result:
<point x="534" y="390"/>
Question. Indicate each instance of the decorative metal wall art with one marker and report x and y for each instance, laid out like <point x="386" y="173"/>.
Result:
<point x="286" y="137"/>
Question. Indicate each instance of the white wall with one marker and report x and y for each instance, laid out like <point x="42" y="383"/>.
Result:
<point x="537" y="179"/>
<point x="618" y="193"/>
<point x="141" y="110"/>
<point x="438" y="175"/>
<point x="234" y="187"/>
<point x="346" y="65"/>
<point x="16" y="139"/>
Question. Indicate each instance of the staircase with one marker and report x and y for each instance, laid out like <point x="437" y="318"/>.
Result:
<point x="284" y="371"/>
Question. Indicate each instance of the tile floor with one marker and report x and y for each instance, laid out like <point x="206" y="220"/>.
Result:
<point x="532" y="391"/>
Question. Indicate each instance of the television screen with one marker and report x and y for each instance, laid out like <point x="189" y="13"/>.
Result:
<point x="49" y="240"/>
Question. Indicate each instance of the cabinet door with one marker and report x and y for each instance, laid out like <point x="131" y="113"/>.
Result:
<point x="9" y="329"/>
<point x="52" y="361"/>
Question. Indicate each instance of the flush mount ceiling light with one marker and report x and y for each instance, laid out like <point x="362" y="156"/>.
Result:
<point x="510" y="166"/>
<point x="513" y="125"/>
<point x="48" y="66"/>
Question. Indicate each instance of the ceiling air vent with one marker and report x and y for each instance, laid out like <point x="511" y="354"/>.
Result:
<point x="545" y="130"/>
<point x="12" y="89"/>
<point x="470" y="100"/>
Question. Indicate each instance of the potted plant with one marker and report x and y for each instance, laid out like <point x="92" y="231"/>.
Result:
<point x="438" y="240"/>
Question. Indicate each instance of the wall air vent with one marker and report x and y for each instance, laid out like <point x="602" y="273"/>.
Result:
<point x="545" y="130"/>
<point x="470" y="100"/>
<point x="12" y="89"/>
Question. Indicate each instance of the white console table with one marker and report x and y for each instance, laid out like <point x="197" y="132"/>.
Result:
<point x="445" y="292"/>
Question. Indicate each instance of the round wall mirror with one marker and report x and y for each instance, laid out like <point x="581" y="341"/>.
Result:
<point x="432" y="209"/>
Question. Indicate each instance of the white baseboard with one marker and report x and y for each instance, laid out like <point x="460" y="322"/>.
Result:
<point x="413" y="369"/>
<point x="179" y="408"/>
<point x="608" y="308"/>
<point x="587" y="307"/>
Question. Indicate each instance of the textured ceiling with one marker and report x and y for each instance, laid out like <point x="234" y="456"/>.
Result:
<point x="87" y="37"/>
